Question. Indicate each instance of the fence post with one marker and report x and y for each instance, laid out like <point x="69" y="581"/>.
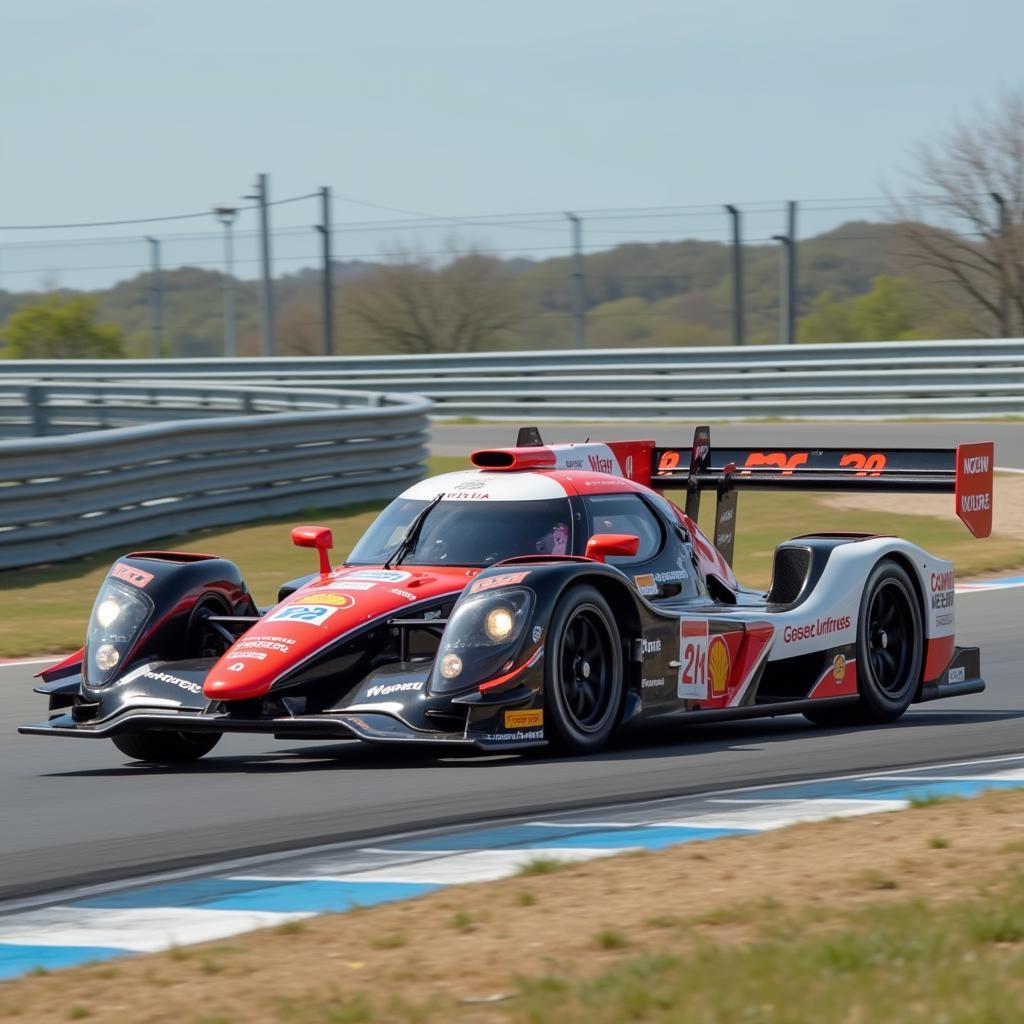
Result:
<point x="578" y="289"/>
<point x="35" y="397"/>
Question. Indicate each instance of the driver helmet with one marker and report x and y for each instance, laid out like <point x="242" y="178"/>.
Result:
<point x="555" y="541"/>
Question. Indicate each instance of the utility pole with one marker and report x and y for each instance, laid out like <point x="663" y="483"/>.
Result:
<point x="226" y="215"/>
<point x="785" y="294"/>
<point x="578" y="294"/>
<point x="791" y="301"/>
<point x="267" y="295"/>
<point x="737" y="277"/>
<point x="1004" y="289"/>
<point x="324" y="227"/>
<point x="787" y="281"/>
<point x="155" y="298"/>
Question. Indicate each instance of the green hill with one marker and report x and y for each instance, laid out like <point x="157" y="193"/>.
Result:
<point x="667" y="293"/>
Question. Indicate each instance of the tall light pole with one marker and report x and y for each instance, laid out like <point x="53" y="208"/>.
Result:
<point x="786" y="311"/>
<point x="155" y="298"/>
<point x="267" y="295"/>
<point x="578" y="290"/>
<point x="1004" y="291"/>
<point x="737" y="276"/>
<point x="324" y="227"/>
<point x="226" y="215"/>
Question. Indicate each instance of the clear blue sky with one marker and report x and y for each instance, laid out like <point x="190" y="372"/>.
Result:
<point x="122" y="108"/>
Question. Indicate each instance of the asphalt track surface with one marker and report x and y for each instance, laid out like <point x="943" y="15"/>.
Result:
<point x="76" y="812"/>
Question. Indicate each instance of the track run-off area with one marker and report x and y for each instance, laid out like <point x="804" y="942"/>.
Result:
<point x="76" y="814"/>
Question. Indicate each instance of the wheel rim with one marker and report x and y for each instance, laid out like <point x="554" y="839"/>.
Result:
<point x="890" y="637"/>
<point x="585" y="669"/>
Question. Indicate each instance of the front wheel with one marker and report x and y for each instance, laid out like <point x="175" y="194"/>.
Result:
<point x="166" y="747"/>
<point x="583" y="672"/>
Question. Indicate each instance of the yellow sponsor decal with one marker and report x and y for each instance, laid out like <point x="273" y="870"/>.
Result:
<point x="524" y="719"/>
<point x="333" y="600"/>
<point x="718" y="666"/>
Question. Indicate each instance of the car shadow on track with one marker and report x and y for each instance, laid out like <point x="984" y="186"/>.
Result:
<point x="650" y="741"/>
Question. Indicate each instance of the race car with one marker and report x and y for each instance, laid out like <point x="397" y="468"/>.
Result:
<point x="551" y="595"/>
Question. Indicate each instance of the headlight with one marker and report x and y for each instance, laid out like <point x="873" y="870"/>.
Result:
<point x="482" y="637"/>
<point x="117" y="619"/>
<point x="107" y="610"/>
<point x="499" y="623"/>
<point x="488" y="619"/>
<point x="107" y="657"/>
<point x="451" y="666"/>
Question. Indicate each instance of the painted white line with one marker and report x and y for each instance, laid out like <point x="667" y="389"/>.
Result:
<point x="853" y="801"/>
<point x="766" y="816"/>
<point x="143" y="930"/>
<point x="1008" y="469"/>
<point x="1014" y="775"/>
<point x="581" y="824"/>
<point x="456" y="867"/>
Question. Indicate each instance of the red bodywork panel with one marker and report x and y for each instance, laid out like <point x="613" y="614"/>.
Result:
<point x="316" y="615"/>
<point x="63" y="668"/>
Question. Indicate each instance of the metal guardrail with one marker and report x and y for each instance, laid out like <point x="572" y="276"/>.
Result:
<point x="150" y="459"/>
<point x="879" y="379"/>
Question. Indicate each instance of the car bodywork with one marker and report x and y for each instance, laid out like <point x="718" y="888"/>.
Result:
<point x="368" y="650"/>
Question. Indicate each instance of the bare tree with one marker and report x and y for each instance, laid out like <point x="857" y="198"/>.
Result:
<point x="463" y="305"/>
<point x="967" y="233"/>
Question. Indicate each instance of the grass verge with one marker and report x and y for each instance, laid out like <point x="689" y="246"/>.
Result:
<point x="850" y="920"/>
<point x="45" y="608"/>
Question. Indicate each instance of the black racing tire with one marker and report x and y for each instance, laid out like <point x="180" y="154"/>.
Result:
<point x="583" y="672"/>
<point x="890" y="650"/>
<point x="166" y="747"/>
<point x="890" y="643"/>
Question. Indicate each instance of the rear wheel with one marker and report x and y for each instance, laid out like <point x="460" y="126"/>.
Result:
<point x="583" y="672"/>
<point x="890" y="650"/>
<point x="166" y="747"/>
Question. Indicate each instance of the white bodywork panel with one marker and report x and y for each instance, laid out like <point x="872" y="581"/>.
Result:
<point x="828" y="617"/>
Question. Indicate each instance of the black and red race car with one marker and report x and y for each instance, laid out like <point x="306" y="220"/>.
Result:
<point x="550" y="595"/>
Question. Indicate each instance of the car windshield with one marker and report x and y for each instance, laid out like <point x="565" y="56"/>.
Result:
<point x="468" y="532"/>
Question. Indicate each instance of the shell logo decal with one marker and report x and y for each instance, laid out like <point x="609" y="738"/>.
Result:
<point x="331" y="599"/>
<point x="719" y="665"/>
<point x="839" y="667"/>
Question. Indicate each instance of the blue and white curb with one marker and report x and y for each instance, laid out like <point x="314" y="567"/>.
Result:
<point x="181" y="908"/>
<point x="1006" y="583"/>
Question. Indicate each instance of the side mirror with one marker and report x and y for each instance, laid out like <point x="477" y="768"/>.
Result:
<point x="601" y="545"/>
<point x="318" y="537"/>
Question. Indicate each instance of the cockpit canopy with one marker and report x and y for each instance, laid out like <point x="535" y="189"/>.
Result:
<point x="469" y="533"/>
<point x="477" y="519"/>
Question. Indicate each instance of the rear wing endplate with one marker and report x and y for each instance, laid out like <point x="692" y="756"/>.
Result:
<point x="965" y="471"/>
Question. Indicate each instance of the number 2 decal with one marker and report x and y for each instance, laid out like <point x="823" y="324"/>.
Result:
<point x="693" y="658"/>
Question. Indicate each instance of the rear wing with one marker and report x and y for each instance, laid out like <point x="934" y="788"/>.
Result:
<point x="965" y="471"/>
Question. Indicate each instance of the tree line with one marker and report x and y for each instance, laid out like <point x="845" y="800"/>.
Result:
<point x="948" y="264"/>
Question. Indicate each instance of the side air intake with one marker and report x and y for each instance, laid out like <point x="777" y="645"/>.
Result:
<point x="789" y="573"/>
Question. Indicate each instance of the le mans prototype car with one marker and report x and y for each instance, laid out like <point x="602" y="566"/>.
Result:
<point x="549" y="596"/>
